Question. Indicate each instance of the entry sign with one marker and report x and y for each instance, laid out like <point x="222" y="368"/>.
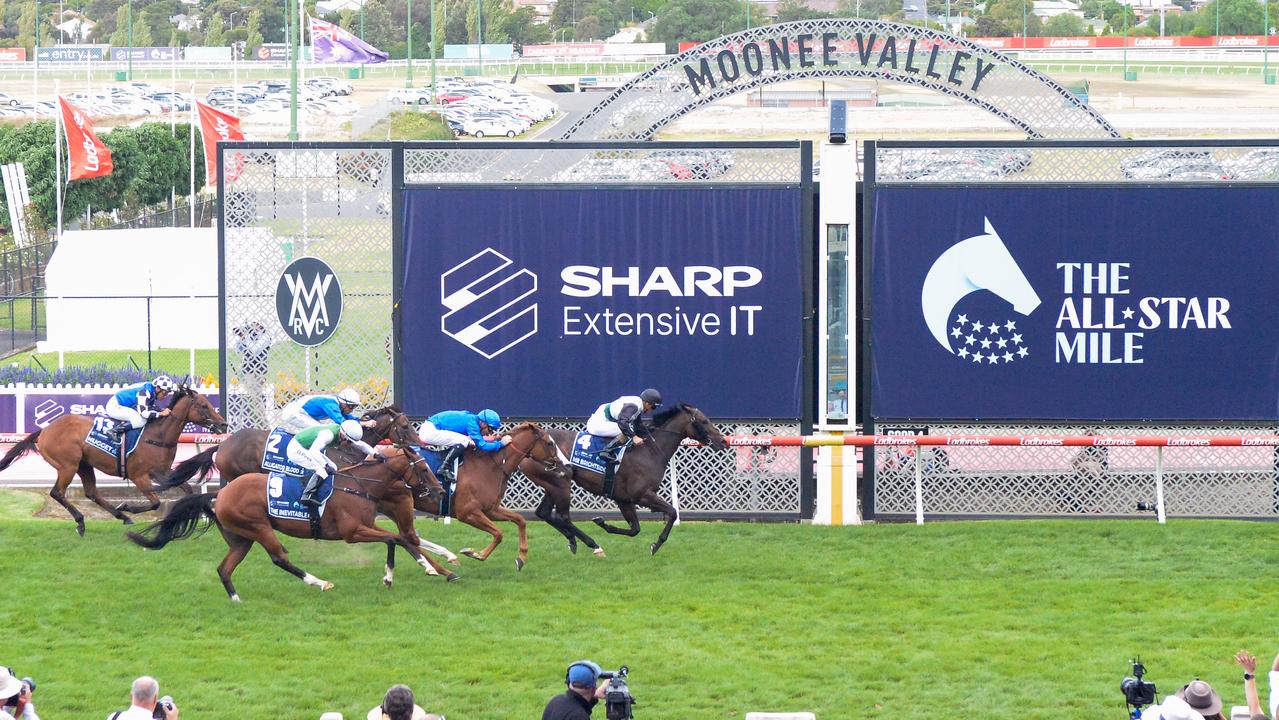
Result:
<point x="308" y="301"/>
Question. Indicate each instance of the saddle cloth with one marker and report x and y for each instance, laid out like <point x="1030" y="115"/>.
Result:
<point x="586" y="452"/>
<point x="275" y="458"/>
<point x="434" y="457"/>
<point x="101" y="437"/>
<point x="283" y="492"/>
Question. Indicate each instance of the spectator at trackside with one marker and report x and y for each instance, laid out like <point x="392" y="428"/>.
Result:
<point x="583" y="693"/>
<point x="1248" y="662"/>
<point x="253" y="343"/>
<point x="144" y="697"/>
<point x="1201" y="698"/>
<point x="399" y="705"/>
<point x="15" y="697"/>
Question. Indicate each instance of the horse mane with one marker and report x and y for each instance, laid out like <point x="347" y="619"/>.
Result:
<point x="666" y="413"/>
<point x="393" y="409"/>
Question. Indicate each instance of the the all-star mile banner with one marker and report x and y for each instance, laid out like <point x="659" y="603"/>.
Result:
<point x="549" y="302"/>
<point x="1098" y="303"/>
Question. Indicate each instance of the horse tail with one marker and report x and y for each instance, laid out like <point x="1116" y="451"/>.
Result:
<point x="201" y="464"/>
<point x="191" y="514"/>
<point x="22" y="448"/>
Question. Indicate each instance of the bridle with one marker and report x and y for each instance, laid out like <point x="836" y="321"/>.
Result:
<point x="423" y="488"/>
<point x="551" y="464"/>
<point x="701" y="433"/>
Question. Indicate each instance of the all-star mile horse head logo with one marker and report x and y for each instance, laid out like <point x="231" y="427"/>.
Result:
<point x="981" y="262"/>
<point x="308" y="301"/>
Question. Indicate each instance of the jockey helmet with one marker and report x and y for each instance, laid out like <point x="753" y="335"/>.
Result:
<point x="163" y="383"/>
<point x="353" y="430"/>
<point x="582" y="672"/>
<point x="349" y="396"/>
<point x="651" y="396"/>
<point x="490" y="418"/>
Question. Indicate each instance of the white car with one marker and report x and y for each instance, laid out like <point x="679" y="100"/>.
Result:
<point x="9" y="100"/>
<point x="409" y="96"/>
<point x="489" y="127"/>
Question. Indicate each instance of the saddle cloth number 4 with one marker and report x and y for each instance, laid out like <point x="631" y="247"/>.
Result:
<point x="584" y="442"/>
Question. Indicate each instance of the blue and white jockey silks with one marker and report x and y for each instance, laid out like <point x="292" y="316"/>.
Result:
<point x="310" y="410"/>
<point x="134" y="404"/>
<point x="458" y="427"/>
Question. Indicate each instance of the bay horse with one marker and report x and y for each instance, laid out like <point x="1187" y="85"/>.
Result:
<point x="391" y="482"/>
<point x="636" y="480"/>
<point x="241" y="453"/>
<point x="62" y="445"/>
<point x="482" y="480"/>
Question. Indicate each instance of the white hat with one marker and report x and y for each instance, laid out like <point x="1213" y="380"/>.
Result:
<point x="349" y="395"/>
<point x="9" y="685"/>
<point x="1174" y="708"/>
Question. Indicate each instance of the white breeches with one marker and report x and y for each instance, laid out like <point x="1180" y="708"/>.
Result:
<point x="432" y="435"/>
<point x="294" y="418"/>
<point x="599" y="425"/>
<point x="117" y="412"/>
<point x="309" y="459"/>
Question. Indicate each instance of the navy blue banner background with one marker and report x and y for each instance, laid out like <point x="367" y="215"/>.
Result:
<point x="468" y="235"/>
<point x="1203" y="243"/>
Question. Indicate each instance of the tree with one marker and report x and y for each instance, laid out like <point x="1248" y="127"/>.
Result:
<point x="522" y="28"/>
<point x="1013" y="13"/>
<point x="142" y="35"/>
<point x="871" y="9"/>
<point x="988" y="26"/>
<point x="1064" y="25"/>
<point x="213" y="35"/>
<point x="27" y="26"/>
<point x="254" y="38"/>
<point x="696" y="20"/>
<point x="791" y="10"/>
<point x="120" y="38"/>
<point x="1238" y="17"/>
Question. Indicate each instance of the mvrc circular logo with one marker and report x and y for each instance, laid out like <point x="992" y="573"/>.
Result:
<point x="308" y="301"/>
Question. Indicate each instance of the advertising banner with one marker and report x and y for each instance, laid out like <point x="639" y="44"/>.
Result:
<point x="69" y="53"/>
<point x="40" y="408"/>
<point x="1096" y="303"/>
<point x="549" y="302"/>
<point x="168" y="54"/>
<point x="13" y="54"/>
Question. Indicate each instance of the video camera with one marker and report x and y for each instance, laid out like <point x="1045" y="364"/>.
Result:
<point x="1137" y="692"/>
<point x="617" y="696"/>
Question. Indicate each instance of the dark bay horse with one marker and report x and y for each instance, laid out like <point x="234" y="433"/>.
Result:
<point x="482" y="481"/>
<point x="359" y="490"/>
<point x="62" y="445"/>
<point x="241" y="453"/>
<point x="636" y="481"/>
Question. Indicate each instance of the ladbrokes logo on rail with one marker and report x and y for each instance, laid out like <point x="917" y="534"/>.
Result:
<point x="1099" y="320"/>
<point x="308" y="301"/>
<point x="489" y="302"/>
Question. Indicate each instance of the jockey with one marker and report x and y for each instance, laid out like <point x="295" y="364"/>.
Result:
<point x="133" y="406"/>
<point x="310" y="410"/>
<point x="457" y="430"/>
<point x="621" y="419"/>
<point x="306" y="449"/>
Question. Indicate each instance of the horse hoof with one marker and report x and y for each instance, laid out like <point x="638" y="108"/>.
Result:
<point x="452" y="577"/>
<point x="599" y="552"/>
<point x="652" y="549"/>
<point x="236" y="598"/>
<point x="326" y="586"/>
<point x="387" y="583"/>
<point x="519" y="564"/>
<point x="470" y="553"/>
<point x="598" y="521"/>
<point x="127" y="520"/>
<point x="79" y="527"/>
<point x="454" y="561"/>
<point x="572" y="546"/>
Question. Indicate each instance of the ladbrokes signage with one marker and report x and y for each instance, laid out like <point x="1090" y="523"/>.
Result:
<point x="1116" y="303"/>
<point x="550" y="302"/>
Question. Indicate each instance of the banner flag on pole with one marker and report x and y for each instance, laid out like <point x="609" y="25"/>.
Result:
<point x="216" y="125"/>
<point x="89" y="157"/>
<point x="332" y="44"/>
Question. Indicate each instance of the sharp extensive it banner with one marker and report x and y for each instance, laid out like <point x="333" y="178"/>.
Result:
<point x="548" y="302"/>
<point x="1075" y="303"/>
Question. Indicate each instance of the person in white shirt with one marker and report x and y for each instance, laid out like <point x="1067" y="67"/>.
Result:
<point x="144" y="698"/>
<point x="621" y="421"/>
<point x="15" y="698"/>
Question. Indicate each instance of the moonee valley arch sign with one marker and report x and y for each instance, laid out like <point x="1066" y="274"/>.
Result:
<point x="835" y="48"/>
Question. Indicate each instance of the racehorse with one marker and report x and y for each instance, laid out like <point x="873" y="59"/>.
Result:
<point x="636" y="481"/>
<point x="63" y="446"/>
<point x="482" y="480"/>
<point x="241" y="453"/>
<point x="391" y="482"/>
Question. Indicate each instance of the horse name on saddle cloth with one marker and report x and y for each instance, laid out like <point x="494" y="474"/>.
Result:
<point x="102" y="437"/>
<point x="283" y="494"/>
<point x="587" y="449"/>
<point x="275" y="459"/>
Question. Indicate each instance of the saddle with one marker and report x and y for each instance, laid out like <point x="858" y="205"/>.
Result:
<point x="102" y="436"/>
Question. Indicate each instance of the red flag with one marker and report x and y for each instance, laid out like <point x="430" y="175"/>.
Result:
<point x="216" y="125"/>
<point x="89" y="157"/>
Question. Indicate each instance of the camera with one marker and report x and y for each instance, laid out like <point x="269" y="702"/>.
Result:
<point x="617" y="696"/>
<point x="1145" y="506"/>
<point x="1137" y="692"/>
<point x="162" y="708"/>
<point x="13" y="701"/>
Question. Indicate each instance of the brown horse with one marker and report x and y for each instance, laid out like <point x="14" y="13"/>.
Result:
<point x="636" y="481"/>
<point x="241" y="453"/>
<point x="62" y="445"/>
<point x="482" y="481"/>
<point x="391" y="482"/>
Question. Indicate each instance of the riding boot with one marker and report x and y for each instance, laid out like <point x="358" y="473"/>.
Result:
<point x="609" y="453"/>
<point x="121" y="427"/>
<point x="308" y="493"/>
<point x="448" y="464"/>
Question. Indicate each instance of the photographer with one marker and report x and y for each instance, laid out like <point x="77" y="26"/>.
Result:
<point x="15" y="697"/>
<point x="583" y="693"/>
<point x="253" y="343"/>
<point x="144" y="704"/>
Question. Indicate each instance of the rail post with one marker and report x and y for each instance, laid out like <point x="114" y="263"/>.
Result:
<point x="919" y="486"/>
<point x="1159" y="484"/>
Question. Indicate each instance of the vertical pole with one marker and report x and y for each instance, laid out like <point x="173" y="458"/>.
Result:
<point x="173" y="106"/>
<point x="1125" y="12"/>
<point x="150" y="367"/>
<point x="361" y="21"/>
<point x="748" y="14"/>
<point x="408" y="28"/>
<point x="433" y="91"/>
<point x="675" y="485"/>
<point x="35" y="78"/>
<point x="1159" y="483"/>
<point x="1023" y="25"/>
<point x="130" y="57"/>
<point x="191" y="171"/>
<point x="948" y="16"/>
<point x="1265" y="37"/>
<point x="919" y="486"/>
<point x="1217" y="33"/>
<point x="479" y="31"/>
<point x="293" y="70"/>
<point x="57" y="151"/>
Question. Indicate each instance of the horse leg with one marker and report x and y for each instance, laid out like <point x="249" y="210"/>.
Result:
<point x="280" y="557"/>
<point x="501" y="513"/>
<point x="628" y="512"/>
<point x="402" y="516"/>
<point x="367" y="534"/>
<point x="439" y="550"/>
<point x="480" y="521"/>
<point x="90" y="483"/>
<point x="59" y="494"/>
<point x="654" y="501"/>
<point x="143" y="483"/>
<point x="390" y="565"/>
<point x="237" y="547"/>
<point x="546" y="512"/>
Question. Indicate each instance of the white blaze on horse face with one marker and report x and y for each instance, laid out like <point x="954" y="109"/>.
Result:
<point x="560" y="454"/>
<point x="981" y="262"/>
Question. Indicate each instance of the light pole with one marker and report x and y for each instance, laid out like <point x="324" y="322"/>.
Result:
<point x="361" y="21"/>
<point x="408" y="26"/>
<point x="130" y="14"/>
<point x="1218" y="5"/>
<point x="432" y="51"/>
<point x="1023" y="25"/>
<point x="1265" y="37"/>
<point x="1125" y="12"/>
<point x="294" y="33"/>
<point x="479" y="32"/>
<point x="947" y="15"/>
